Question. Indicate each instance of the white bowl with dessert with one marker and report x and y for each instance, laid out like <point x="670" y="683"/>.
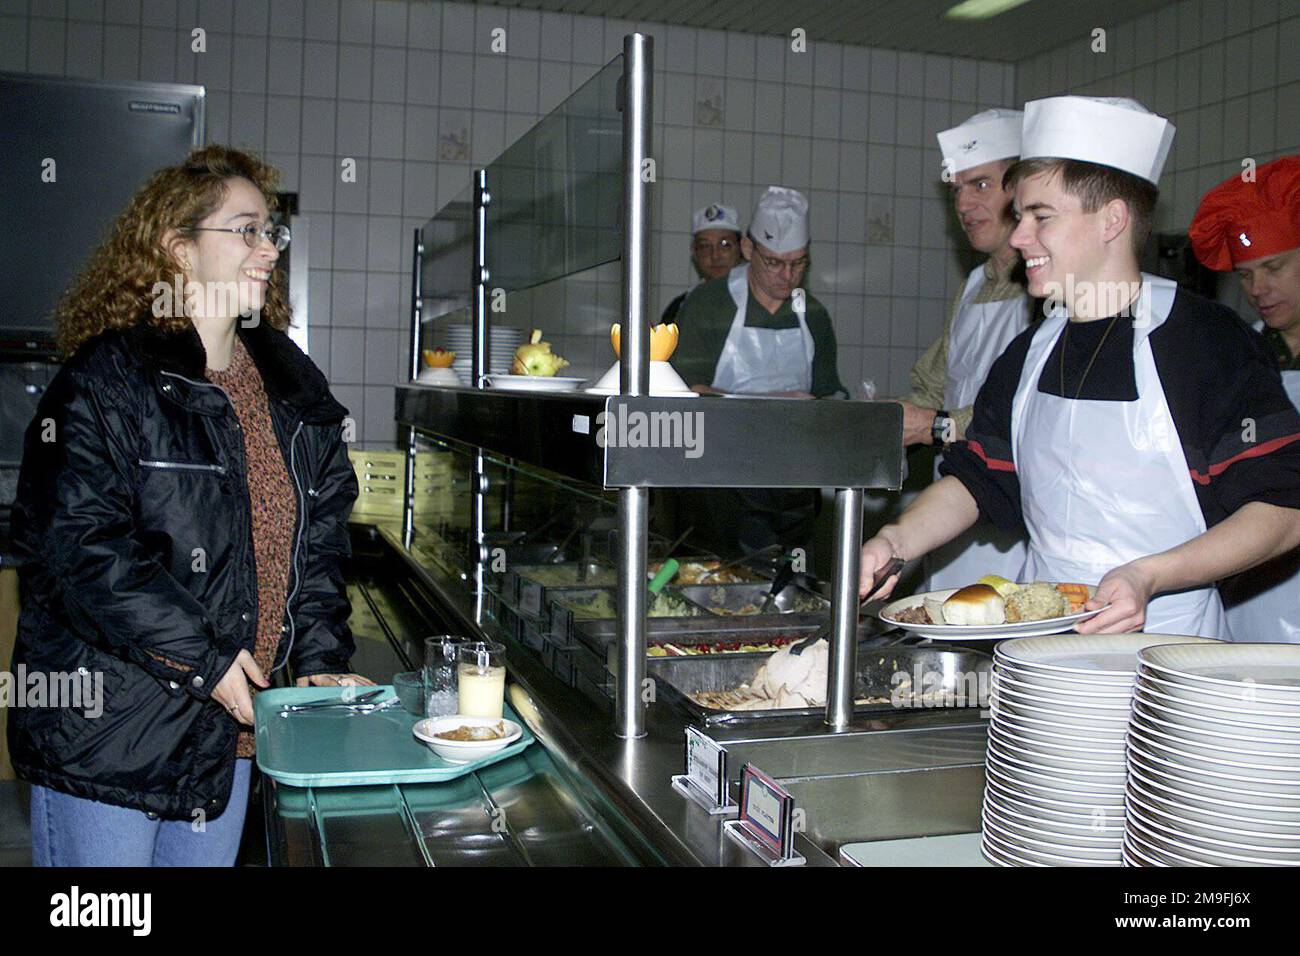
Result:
<point x="463" y="739"/>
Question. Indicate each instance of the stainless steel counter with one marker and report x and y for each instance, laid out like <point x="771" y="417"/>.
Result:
<point x="586" y="797"/>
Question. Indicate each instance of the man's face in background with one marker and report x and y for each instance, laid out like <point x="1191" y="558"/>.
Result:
<point x="715" y="252"/>
<point x="983" y="206"/>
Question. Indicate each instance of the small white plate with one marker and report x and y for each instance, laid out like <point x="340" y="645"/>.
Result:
<point x="534" y="383"/>
<point x="1074" y="694"/>
<point x="1264" y="841"/>
<point x="1210" y="721"/>
<point x="1241" y="712"/>
<point x="1194" y="809"/>
<point x="969" y="632"/>
<point x="1274" y="667"/>
<point x="1094" y="656"/>
<point x="1206" y="851"/>
<point x="1046" y="792"/>
<point x="1100" y="706"/>
<point x="1211" y="761"/>
<point x="1049" y="853"/>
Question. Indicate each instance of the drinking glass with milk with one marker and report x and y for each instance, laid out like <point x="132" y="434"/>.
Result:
<point x="481" y="679"/>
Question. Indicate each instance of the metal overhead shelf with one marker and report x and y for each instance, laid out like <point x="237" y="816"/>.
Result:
<point x="648" y="442"/>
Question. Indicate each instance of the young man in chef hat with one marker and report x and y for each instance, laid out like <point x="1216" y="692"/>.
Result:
<point x="757" y="331"/>
<point x="1113" y="430"/>
<point x="1251" y="226"/>
<point x="991" y="310"/>
<point x="715" y="248"/>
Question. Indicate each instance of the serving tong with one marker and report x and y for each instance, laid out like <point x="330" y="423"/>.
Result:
<point x="893" y="566"/>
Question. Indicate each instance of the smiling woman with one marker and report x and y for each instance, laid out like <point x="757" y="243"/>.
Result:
<point x="181" y="534"/>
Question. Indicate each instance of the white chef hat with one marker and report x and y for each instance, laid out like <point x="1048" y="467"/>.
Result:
<point x="715" y="216"/>
<point x="985" y="137"/>
<point x="1108" y="131"/>
<point x="780" y="220"/>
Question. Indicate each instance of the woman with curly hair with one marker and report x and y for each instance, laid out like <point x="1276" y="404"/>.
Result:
<point x="182" y="517"/>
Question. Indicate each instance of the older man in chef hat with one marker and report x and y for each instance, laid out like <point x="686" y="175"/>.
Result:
<point x="715" y="248"/>
<point x="1250" y="225"/>
<point x="1112" y="430"/>
<point x="757" y="331"/>
<point x="991" y="309"/>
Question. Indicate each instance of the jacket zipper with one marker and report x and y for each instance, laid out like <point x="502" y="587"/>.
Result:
<point x="180" y="466"/>
<point x="297" y="542"/>
<point x="248" y="517"/>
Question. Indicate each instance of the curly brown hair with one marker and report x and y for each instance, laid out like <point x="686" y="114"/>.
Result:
<point x="115" y="290"/>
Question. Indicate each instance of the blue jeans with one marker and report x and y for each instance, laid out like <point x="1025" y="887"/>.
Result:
<point x="74" y="831"/>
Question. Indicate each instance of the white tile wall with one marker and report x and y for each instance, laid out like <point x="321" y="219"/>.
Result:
<point x="1225" y="72"/>
<point x="412" y="92"/>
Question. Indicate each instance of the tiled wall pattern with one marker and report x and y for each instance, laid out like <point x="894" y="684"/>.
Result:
<point x="1225" y="72"/>
<point x="413" y="92"/>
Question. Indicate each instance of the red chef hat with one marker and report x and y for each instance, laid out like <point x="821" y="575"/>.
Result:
<point x="1239" y="221"/>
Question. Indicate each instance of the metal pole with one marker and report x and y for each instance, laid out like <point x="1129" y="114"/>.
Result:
<point x="480" y="277"/>
<point x="844" y="608"/>
<point x="408" y="433"/>
<point x="634" y="379"/>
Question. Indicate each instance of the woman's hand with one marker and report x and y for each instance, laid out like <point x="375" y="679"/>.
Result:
<point x="232" y="691"/>
<point x="877" y="553"/>
<point x="1127" y="589"/>
<point x="334" y="680"/>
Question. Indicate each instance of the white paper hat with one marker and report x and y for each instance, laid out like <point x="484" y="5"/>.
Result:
<point x="985" y="137"/>
<point x="780" y="220"/>
<point x="1108" y="131"/>
<point x="715" y="216"/>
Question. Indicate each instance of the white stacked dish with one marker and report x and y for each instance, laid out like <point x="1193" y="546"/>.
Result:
<point x="502" y="342"/>
<point x="1056" y="757"/>
<point x="1214" y="757"/>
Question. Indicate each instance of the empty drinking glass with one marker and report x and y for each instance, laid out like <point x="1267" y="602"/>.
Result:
<point x="440" y="674"/>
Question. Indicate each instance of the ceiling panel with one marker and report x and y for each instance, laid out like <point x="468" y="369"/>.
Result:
<point x="916" y="25"/>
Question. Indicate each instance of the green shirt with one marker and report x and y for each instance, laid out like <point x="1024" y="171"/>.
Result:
<point x="1286" y="362"/>
<point x="705" y="318"/>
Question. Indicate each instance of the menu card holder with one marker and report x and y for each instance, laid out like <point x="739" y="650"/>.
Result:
<point x="765" y="825"/>
<point x="705" y="780"/>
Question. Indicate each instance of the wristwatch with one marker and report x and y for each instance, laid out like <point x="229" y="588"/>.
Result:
<point x="941" y="427"/>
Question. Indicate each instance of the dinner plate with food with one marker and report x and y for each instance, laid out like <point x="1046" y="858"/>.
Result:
<point x="992" y="608"/>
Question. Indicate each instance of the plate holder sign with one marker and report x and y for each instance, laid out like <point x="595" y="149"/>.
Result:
<point x="765" y="825"/>
<point x="705" y="780"/>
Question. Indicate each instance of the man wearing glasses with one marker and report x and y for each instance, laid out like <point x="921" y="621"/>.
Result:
<point x="715" y="248"/>
<point x="757" y="331"/>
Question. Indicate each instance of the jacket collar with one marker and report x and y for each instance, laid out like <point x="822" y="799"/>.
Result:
<point x="287" y="374"/>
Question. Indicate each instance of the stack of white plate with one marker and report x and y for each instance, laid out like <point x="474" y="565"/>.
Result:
<point x="1060" y="711"/>
<point x="502" y="342"/>
<point x="1214" y="757"/>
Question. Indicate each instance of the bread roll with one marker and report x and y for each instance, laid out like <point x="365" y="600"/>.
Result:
<point x="976" y="604"/>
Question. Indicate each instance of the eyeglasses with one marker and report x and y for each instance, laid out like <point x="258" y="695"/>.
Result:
<point x="277" y="236"/>
<point x="780" y="265"/>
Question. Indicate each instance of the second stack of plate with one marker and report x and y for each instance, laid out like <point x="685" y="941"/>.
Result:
<point x="1214" y="757"/>
<point x="1056" y="755"/>
<point x="502" y="342"/>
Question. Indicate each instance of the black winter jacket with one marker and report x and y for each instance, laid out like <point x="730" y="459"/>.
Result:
<point x="134" y="524"/>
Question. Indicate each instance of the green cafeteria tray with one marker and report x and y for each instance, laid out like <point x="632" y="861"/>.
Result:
<point x="340" y="748"/>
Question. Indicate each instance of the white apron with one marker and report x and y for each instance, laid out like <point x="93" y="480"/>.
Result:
<point x="756" y="361"/>
<point x="1104" y="483"/>
<point x="1273" y="615"/>
<point x="980" y="333"/>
